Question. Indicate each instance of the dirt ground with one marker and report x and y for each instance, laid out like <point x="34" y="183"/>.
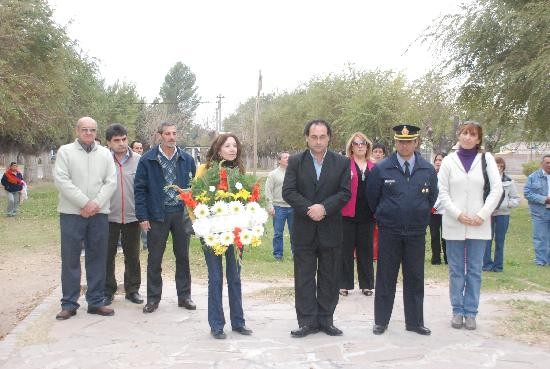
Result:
<point x="26" y="279"/>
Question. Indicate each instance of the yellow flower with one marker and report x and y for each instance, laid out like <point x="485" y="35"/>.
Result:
<point x="222" y="195"/>
<point x="219" y="249"/>
<point x="203" y="198"/>
<point x="256" y="241"/>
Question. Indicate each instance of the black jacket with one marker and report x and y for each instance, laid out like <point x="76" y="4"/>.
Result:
<point x="402" y="206"/>
<point x="301" y="189"/>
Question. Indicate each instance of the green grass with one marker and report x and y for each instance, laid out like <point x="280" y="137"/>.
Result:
<point x="36" y="228"/>
<point x="520" y="272"/>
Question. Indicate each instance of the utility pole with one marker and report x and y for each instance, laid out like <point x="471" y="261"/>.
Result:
<point x="256" y="121"/>
<point x="219" y="113"/>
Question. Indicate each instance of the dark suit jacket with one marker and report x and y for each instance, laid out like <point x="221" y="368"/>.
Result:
<point x="301" y="189"/>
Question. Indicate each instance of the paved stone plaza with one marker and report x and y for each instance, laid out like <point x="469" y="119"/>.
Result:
<point x="176" y="338"/>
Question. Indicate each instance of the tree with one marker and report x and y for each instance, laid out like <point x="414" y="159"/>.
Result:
<point x="499" y="52"/>
<point x="179" y="92"/>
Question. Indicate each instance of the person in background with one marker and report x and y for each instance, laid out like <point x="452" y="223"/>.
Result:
<point x="85" y="177"/>
<point x="378" y="154"/>
<point x="401" y="191"/>
<point x="123" y="223"/>
<point x="13" y="183"/>
<point x="225" y="147"/>
<point x="317" y="186"/>
<point x="277" y="207"/>
<point x="500" y="220"/>
<point x="467" y="219"/>
<point x="437" y="242"/>
<point x="161" y="213"/>
<point x="358" y="221"/>
<point x="537" y="193"/>
<point x="137" y="147"/>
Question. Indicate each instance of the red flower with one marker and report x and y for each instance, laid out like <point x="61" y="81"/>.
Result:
<point x="187" y="198"/>
<point x="223" y="180"/>
<point x="237" y="238"/>
<point x="255" y="196"/>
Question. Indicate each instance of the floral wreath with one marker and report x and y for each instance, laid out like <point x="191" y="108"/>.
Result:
<point x="223" y="204"/>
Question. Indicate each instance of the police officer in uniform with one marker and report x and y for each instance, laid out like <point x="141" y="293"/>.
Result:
<point x="401" y="191"/>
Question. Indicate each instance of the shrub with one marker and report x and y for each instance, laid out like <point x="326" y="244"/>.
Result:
<point x="530" y="167"/>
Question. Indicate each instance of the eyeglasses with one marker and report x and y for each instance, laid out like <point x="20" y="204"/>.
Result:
<point x="359" y="143"/>
<point x="88" y="130"/>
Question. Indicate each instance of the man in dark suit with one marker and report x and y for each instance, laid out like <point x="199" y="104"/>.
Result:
<point x="317" y="186"/>
<point x="401" y="191"/>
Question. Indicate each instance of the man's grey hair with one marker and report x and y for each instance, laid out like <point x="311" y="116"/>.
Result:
<point x="280" y="154"/>
<point x="160" y="128"/>
<point x="544" y="157"/>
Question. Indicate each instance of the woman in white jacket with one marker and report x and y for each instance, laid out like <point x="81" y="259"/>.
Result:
<point x="467" y="219"/>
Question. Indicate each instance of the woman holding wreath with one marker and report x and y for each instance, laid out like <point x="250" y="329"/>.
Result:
<point x="227" y="149"/>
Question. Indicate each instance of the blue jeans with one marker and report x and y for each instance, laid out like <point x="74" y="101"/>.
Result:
<point x="14" y="198"/>
<point x="465" y="261"/>
<point x="499" y="227"/>
<point x="541" y="239"/>
<point x="93" y="232"/>
<point x="282" y="214"/>
<point x="216" y="318"/>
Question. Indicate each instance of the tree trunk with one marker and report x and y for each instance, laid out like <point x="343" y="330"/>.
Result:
<point x="31" y="168"/>
<point x="47" y="166"/>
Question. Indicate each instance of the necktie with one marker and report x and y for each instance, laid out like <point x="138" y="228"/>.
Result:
<point x="407" y="171"/>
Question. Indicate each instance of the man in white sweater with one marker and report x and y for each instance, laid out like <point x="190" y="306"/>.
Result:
<point x="277" y="207"/>
<point x="85" y="176"/>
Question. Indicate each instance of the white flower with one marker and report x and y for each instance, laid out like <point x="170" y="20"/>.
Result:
<point x="201" y="211"/>
<point x="212" y="189"/>
<point x="246" y="236"/>
<point x="236" y="208"/>
<point x="252" y="207"/>
<point x="238" y="186"/>
<point x="260" y="217"/>
<point x="211" y="239"/>
<point x="219" y="208"/>
<point x="258" y="230"/>
<point x="202" y="227"/>
<point x="222" y="223"/>
<point x="226" y="238"/>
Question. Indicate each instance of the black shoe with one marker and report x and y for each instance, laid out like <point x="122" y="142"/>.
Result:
<point x="379" y="329"/>
<point x="304" y="331"/>
<point x="187" y="303"/>
<point x="108" y="300"/>
<point x="420" y="330"/>
<point x="101" y="310"/>
<point x="331" y="330"/>
<point x="243" y="330"/>
<point x="436" y="262"/>
<point x="219" y="335"/>
<point x="135" y="297"/>
<point x="65" y="314"/>
<point x="150" y="307"/>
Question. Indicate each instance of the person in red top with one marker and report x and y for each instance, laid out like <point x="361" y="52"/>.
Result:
<point x="378" y="154"/>
<point x="13" y="183"/>
<point x="358" y="222"/>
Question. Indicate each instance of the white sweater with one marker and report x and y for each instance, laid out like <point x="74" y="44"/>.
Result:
<point x="80" y="177"/>
<point x="462" y="192"/>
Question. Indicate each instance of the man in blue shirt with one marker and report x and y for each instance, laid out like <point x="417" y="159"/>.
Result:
<point x="537" y="193"/>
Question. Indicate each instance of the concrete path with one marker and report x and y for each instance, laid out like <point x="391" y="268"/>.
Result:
<point x="173" y="337"/>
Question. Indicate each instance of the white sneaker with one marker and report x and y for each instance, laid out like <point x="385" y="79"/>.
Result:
<point x="457" y="321"/>
<point x="470" y="323"/>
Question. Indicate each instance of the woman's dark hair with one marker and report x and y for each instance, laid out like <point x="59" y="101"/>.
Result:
<point x="442" y="154"/>
<point x="379" y="145"/>
<point x="214" y="150"/>
<point x="472" y="127"/>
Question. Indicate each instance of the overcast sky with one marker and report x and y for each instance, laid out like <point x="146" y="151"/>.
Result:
<point x="225" y="43"/>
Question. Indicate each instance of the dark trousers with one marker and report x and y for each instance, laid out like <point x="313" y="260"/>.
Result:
<point x="437" y="242"/>
<point x="315" y="285"/>
<point x="156" y="244"/>
<point x="92" y="231"/>
<point x="130" y="246"/>
<point x="393" y="250"/>
<point x="357" y="236"/>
